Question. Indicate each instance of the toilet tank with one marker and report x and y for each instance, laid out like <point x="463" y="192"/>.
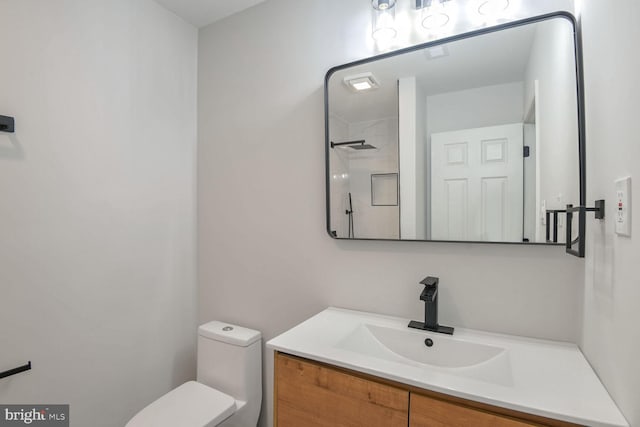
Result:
<point x="230" y="360"/>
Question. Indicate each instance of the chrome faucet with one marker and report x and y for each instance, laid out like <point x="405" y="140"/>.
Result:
<point x="430" y="297"/>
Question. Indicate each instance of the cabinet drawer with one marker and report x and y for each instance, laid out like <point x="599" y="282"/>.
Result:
<point x="430" y="412"/>
<point x="312" y="395"/>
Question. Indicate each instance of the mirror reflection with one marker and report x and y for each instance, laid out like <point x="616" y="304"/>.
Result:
<point x="467" y="140"/>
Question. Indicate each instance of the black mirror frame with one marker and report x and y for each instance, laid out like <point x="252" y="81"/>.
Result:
<point x="577" y="39"/>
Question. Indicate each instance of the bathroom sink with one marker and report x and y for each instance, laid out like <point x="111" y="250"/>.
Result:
<point x="546" y="378"/>
<point x="409" y="346"/>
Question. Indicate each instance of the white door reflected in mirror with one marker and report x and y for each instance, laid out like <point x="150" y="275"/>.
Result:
<point x="477" y="179"/>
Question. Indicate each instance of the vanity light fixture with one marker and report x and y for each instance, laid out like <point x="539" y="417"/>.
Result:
<point x="361" y="82"/>
<point x="383" y="20"/>
<point x="492" y="7"/>
<point x="437" y="16"/>
<point x="434" y="14"/>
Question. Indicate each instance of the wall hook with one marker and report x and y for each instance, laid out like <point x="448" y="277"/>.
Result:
<point x="7" y="124"/>
<point x="17" y="370"/>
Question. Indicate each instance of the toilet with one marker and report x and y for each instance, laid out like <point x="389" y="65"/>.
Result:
<point x="228" y="390"/>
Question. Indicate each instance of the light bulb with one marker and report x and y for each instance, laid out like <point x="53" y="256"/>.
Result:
<point x="383" y="4"/>
<point x="435" y="15"/>
<point x="435" y="20"/>
<point x="492" y="8"/>
<point x="383" y="25"/>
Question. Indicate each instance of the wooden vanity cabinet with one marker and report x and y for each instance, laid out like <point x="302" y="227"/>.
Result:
<point x="313" y="394"/>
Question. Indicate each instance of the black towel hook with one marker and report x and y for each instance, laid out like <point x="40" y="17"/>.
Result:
<point x="17" y="370"/>
<point x="7" y="124"/>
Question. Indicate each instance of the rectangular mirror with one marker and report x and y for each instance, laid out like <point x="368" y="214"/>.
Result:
<point x="472" y="138"/>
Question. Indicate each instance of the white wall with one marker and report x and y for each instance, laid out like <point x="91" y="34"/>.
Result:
<point x="552" y="65"/>
<point x="373" y="221"/>
<point x="423" y="190"/>
<point x="407" y="152"/>
<point x="414" y="187"/>
<point x="265" y="259"/>
<point x="351" y="171"/>
<point x="97" y="272"/>
<point x="610" y="337"/>
<point x="339" y="182"/>
<point x="473" y="108"/>
<point x="531" y="194"/>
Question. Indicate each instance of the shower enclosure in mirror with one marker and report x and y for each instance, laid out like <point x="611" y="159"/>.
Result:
<point x="471" y="138"/>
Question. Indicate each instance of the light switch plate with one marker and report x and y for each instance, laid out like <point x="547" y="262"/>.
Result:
<point x="623" y="207"/>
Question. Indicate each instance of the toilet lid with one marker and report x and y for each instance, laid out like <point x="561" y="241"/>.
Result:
<point x="190" y="405"/>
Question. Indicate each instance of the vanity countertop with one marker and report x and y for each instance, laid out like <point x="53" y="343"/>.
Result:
<point x="547" y="378"/>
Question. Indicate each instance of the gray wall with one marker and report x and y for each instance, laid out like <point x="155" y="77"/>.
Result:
<point x="610" y="337"/>
<point x="97" y="211"/>
<point x="265" y="260"/>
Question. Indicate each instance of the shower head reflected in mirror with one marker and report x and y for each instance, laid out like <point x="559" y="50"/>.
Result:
<point x="356" y="145"/>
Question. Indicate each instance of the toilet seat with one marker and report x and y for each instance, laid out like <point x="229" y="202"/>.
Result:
<point x="190" y="405"/>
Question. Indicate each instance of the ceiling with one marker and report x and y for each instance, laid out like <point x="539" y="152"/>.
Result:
<point x="205" y="12"/>
<point x="469" y="63"/>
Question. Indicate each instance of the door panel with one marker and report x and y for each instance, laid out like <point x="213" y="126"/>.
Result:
<point x="477" y="184"/>
<point x="312" y="395"/>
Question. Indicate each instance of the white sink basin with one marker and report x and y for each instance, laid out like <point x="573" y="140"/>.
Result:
<point x="449" y="355"/>
<point x="390" y="344"/>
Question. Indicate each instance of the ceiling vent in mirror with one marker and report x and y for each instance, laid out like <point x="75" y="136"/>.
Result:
<point x="435" y="52"/>
<point x="361" y="82"/>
